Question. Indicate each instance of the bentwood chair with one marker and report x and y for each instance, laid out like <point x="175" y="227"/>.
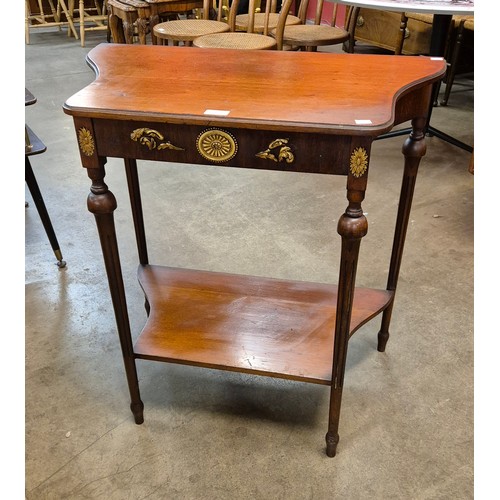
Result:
<point x="255" y="21"/>
<point x="186" y="30"/>
<point x="464" y="23"/>
<point x="248" y="39"/>
<point x="309" y="37"/>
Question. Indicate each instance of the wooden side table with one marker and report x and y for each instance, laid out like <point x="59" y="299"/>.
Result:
<point x="152" y="12"/>
<point x="122" y="19"/>
<point x="317" y="113"/>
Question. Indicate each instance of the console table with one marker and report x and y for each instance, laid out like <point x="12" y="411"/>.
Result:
<point x="317" y="113"/>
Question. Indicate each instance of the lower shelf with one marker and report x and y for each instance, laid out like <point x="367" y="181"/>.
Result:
<point x="264" y="326"/>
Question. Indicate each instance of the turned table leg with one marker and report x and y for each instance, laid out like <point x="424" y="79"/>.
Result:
<point x="352" y="226"/>
<point x="137" y="215"/>
<point x="413" y="150"/>
<point x="102" y="203"/>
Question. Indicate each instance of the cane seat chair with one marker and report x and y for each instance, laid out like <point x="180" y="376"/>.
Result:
<point x="186" y="30"/>
<point x="246" y="40"/>
<point x="464" y="23"/>
<point x="255" y="20"/>
<point x="309" y="37"/>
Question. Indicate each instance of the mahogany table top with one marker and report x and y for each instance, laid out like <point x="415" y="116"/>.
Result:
<point x="305" y="92"/>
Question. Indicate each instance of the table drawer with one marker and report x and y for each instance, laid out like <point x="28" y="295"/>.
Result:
<point x="259" y="149"/>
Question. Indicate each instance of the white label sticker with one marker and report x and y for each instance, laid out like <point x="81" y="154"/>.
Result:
<point x="363" y="122"/>
<point x="216" y="112"/>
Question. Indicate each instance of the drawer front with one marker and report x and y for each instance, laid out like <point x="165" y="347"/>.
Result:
<point x="381" y="29"/>
<point x="258" y="149"/>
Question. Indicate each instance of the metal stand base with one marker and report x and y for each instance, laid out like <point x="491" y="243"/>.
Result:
<point x="431" y="132"/>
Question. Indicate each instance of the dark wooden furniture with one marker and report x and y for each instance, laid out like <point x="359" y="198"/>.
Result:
<point x="34" y="146"/>
<point x="128" y="18"/>
<point x="122" y="21"/>
<point x="404" y="34"/>
<point x="463" y="24"/>
<point x="317" y="113"/>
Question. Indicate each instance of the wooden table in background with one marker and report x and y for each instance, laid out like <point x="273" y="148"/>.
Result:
<point x="151" y="12"/>
<point x="317" y="113"/>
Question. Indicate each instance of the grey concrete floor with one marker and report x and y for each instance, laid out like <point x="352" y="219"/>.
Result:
<point x="406" y="429"/>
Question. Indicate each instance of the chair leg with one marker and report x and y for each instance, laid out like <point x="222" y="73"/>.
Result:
<point x="352" y="16"/>
<point x="398" y="50"/>
<point x="116" y="26"/>
<point x="454" y="61"/>
<point x="471" y="163"/>
<point x="42" y="211"/>
<point x="69" y="16"/>
<point x="27" y="22"/>
<point x="82" y="22"/>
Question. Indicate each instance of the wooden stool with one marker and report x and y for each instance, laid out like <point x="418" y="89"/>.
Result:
<point x="142" y="23"/>
<point x="34" y="146"/>
<point x="122" y="21"/>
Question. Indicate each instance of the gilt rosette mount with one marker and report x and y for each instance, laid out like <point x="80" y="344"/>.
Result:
<point x="216" y="145"/>
<point x="359" y="162"/>
<point x="86" y="141"/>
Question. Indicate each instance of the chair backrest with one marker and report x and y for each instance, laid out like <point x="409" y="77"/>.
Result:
<point x="280" y="28"/>
<point x="304" y="5"/>
<point x="218" y="6"/>
<point x="253" y="5"/>
<point x="302" y="14"/>
<point x="205" y="10"/>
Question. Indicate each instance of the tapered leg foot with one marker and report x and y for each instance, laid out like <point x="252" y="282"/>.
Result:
<point x="383" y="337"/>
<point x="60" y="262"/>
<point x="331" y="444"/>
<point x="138" y="411"/>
